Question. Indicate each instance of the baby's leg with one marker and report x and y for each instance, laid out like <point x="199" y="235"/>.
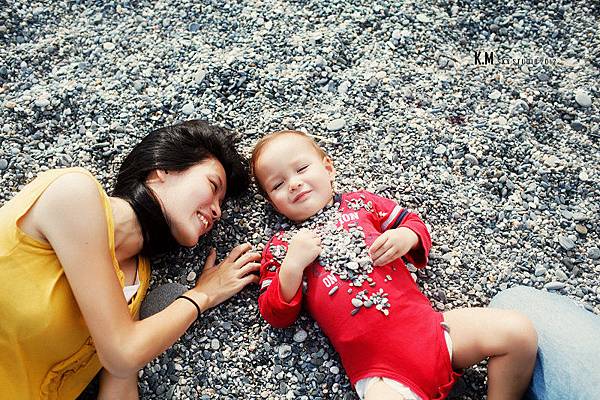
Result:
<point x="506" y="337"/>
<point x="379" y="390"/>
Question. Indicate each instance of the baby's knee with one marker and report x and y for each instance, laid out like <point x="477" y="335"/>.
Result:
<point x="520" y="332"/>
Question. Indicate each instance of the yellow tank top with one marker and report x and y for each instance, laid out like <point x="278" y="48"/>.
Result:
<point x="46" y="351"/>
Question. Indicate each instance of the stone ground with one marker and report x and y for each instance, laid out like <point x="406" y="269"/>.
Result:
<point x="481" y="116"/>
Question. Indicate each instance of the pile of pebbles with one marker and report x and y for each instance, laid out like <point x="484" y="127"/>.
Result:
<point x="343" y="253"/>
<point x="500" y="160"/>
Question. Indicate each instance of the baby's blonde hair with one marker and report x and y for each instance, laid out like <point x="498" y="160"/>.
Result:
<point x="262" y="142"/>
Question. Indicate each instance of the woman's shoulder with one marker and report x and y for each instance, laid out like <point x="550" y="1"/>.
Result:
<point x="74" y="189"/>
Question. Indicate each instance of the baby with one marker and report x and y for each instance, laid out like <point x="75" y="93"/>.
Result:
<point x="342" y="258"/>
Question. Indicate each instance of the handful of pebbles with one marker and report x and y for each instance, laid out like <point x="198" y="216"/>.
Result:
<point x="344" y="253"/>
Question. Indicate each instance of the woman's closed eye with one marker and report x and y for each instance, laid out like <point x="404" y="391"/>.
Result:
<point x="214" y="186"/>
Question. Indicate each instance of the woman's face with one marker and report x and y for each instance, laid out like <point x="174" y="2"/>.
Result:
<point x="191" y="199"/>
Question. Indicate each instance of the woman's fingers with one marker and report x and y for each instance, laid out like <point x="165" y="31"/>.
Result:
<point x="250" y="278"/>
<point x="237" y="252"/>
<point x="249" y="268"/>
<point x="212" y="257"/>
<point x="246" y="258"/>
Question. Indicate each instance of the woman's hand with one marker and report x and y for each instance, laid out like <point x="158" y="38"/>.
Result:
<point x="219" y="282"/>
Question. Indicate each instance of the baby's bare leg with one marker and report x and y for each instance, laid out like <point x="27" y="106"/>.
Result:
<point x="506" y="337"/>
<point x="379" y="390"/>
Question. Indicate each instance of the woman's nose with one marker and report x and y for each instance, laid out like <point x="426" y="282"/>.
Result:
<point x="216" y="210"/>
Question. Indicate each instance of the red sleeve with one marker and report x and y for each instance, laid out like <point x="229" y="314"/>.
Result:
<point x="390" y="216"/>
<point x="274" y="309"/>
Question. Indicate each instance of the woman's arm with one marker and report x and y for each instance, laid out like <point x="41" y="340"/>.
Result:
<point x="70" y="215"/>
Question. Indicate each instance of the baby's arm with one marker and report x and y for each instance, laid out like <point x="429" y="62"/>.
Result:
<point x="410" y="239"/>
<point x="280" y="299"/>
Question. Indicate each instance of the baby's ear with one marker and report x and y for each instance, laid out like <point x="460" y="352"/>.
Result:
<point x="328" y="164"/>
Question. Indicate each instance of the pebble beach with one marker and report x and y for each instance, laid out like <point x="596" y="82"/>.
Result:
<point x="480" y="116"/>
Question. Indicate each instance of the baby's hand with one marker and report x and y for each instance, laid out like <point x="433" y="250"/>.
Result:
<point x="304" y="247"/>
<point x="392" y="245"/>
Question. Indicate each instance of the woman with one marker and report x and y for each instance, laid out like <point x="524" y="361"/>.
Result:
<point x="74" y="263"/>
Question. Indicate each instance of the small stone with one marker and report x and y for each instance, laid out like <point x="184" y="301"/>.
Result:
<point x="333" y="290"/>
<point x="566" y="242"/>
<point x="581" y="229"/>
<point x="583" y="175"/>
<point x="561" y="276"/>
<point x="577" y="126"/>
<point x="423" y="18"/>
<point x="284" y="351"/>
<point x="495" y="95"/>
<point x="440" y="149"/>
<point x="554" y="285"/>
<point x="355" y="311"/>
<point x="357" y="302"/>
<point x="540" y="271"/>
<point x="10" y="105"/>
<point x="396" y="34"/>
<point x="300" y="336"/>
<point x="108" y="46"/>
<point x="471" y="159"/>
<point x="188" y="109"/>
<point x="593" y="253"/>
<point x="215" y="344"/>
<point x="353" y="265"/>
<point x="582" y="98"/>
<point x="336" y="124"/>
<point x="191" y="277"/>
<point x="194" y="27"/>
<point x="3" y="164"/>
<point x="42" y="102"/>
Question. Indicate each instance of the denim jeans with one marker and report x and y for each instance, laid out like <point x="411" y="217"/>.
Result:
<point x="568" y="358"/>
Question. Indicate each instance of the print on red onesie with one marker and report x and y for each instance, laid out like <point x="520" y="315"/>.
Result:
<point x="408" y="345"/>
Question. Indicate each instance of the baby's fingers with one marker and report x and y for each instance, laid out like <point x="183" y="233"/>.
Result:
<point x="387" y="257"/>
<point x="379" y="246"/>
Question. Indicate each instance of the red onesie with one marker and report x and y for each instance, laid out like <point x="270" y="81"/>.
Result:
<point x="408" y="345"/>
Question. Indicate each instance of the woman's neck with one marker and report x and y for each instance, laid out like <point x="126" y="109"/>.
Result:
<point x="128" y="232"/>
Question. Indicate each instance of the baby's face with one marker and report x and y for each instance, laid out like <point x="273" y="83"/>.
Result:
<point x="296" y="178"/>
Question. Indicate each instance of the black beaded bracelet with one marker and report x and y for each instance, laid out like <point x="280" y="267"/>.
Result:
<point x="193" y="302"/>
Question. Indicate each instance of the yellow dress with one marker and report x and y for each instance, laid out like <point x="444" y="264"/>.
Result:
<point x="46" y="351"/>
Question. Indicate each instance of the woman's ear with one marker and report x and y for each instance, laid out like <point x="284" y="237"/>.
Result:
<point x="157" y="175"/>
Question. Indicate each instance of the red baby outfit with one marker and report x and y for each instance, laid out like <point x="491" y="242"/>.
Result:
<point x="408" y="345"/>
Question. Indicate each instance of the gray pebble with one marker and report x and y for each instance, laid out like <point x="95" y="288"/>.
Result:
<point x="3" y="164"/>
<point x="582" y="98"/>
<point x="300" y="336"/>
<point x="336" y="124"/>
<point x="188" y="109"/>
<point x="593" y="253"/>
<point x="495" y="95"/>
<point x="566" y="242"/>
<point x="440" y="149"/>
<point x="284" y="351"/>
<point x="554" y="285"/>
<point x="215" y="344"/>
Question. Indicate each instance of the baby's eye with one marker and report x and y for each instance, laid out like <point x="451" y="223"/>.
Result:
<point x="277" y="186"/>
<point x="302" y="168"/>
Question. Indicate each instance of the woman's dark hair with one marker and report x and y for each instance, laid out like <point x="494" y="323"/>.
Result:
<point x="174" y="148"/>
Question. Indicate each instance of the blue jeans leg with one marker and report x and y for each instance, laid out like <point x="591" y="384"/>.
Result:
<point x="568" y="359"/>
